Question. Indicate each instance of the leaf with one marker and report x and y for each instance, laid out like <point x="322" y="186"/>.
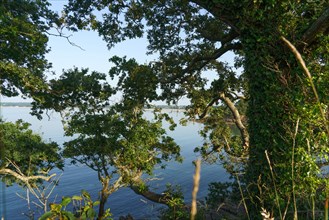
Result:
<point x="69" y="215"/>
<point x="91" y="213"/>
<point x="79" y="198"/>
<point x="86" y="194"/>
<point x="96" y="203"/>
<point x="46" y="216"/>
<point x="55" y="208"/>
<point x="65" y="201"/>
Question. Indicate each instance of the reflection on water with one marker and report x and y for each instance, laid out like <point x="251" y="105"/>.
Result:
<point x="124" y="201"/>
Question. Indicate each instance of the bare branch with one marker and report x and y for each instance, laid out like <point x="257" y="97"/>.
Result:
<point x="67" y="37"/>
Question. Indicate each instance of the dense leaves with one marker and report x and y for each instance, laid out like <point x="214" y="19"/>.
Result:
<point x="23" y="45"/>
<point x="113" y="138"/>
<point x="25" y="153"/>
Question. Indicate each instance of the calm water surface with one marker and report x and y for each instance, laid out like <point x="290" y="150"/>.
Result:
<point x="124" y="201"/>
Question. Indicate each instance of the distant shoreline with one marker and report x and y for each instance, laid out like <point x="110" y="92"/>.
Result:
<point x="27" y="104"/>
<point x="15" y="104"/>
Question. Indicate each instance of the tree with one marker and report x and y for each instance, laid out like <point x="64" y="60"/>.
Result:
<point x="23" y="45"/>
<point x="283" y="115"/>
<point x="27" y="158"/>
<point x="113" y="139"/>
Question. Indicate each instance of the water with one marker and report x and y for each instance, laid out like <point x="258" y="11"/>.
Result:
<point x="124" y="201"/>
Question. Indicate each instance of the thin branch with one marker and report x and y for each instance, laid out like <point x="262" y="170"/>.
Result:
<point x="60" y="34"/>
<point x="273" y="179"/>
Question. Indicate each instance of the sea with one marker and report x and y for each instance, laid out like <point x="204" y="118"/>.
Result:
<point x="78" y="177"/>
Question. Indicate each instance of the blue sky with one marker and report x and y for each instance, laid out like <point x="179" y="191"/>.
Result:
<point x="95" y="53"/>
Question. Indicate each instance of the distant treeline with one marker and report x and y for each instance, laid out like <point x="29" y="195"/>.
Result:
<point x="27" y="104"/>
<point x="170" y="106"/>
<point x="15" y="104"/>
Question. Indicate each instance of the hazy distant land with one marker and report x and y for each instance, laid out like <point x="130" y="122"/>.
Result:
<point x="27" y="104"/>
<point x="15" y="104"/>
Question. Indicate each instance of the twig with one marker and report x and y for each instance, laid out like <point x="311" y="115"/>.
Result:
<point x="292" y="169"/>
<point x="242" y="196"/>
<point x="60" y="34"/>
<point x="275" y="189"/>
<point x="196" y="178"/>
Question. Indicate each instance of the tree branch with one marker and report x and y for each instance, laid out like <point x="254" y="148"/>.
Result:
<point x="200" y="62"/>
<point x="237" y="118"/>
<point x="219" y="11"/>
<point x="22" y="177"/>
<point x="152" y="196"/>
<point x="319" y="26"/>
<point x="205" y="111"/>
<point x="60" y="34"/>
<point x="223" y="38"/>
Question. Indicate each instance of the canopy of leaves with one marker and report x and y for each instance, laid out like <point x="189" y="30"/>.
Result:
<point x="23" y="45"/>
<point x="25" y="152"/>
<point x="108" y="134"/>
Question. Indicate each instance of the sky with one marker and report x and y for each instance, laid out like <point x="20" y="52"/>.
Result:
<point x="95" y="54"/>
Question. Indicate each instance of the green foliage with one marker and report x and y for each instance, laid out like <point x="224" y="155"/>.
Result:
<point x="190" y="38"/>
<point x="176" y="207"/>
<point x="223" y="192"/>
<point x="23" y="45"/>
<point x="26" y="150"/>
<point x="83" y="208"/>
<point x="114" y="139"/>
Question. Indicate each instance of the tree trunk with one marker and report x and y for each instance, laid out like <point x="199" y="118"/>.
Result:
<point x="271" y="117"/>
<point x="104" y="194"/>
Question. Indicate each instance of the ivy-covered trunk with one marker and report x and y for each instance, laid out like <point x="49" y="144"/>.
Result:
<point x="269" y="114"/>
<point x="281" y="169"/>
